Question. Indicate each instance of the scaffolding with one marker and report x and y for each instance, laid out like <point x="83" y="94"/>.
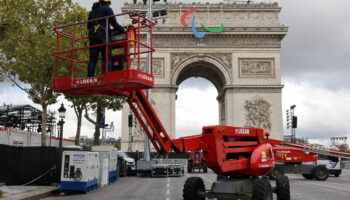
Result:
<point x="25" y="117"/>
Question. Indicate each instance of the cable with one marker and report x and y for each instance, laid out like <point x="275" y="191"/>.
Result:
<point x="51" y="169"/>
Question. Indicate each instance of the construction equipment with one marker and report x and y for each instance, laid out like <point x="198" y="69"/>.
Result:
<point x="304" y="159"/>
<point x="80" y="171"/>
<point x="196" y="161"/>
<point x="239" y="155"/>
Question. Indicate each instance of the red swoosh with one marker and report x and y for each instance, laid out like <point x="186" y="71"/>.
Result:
<point x="183" y="17"/>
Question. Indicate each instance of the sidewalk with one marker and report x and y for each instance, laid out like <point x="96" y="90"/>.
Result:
<point x="26" y="192"/>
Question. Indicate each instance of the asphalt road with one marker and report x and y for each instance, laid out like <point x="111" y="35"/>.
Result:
<point x="136" y="188"/>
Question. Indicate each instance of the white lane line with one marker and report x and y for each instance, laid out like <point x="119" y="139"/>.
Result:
<point x="168" y="189"/>
<point x="336" y="184"/>
<point x="326" y="186"/>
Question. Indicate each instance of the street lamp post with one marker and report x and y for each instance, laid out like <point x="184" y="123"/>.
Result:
<point x="292" y="122"/>
<point x="62" y="115"/>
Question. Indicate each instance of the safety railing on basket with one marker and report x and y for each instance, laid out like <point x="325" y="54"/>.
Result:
<point x="77" y="46"/>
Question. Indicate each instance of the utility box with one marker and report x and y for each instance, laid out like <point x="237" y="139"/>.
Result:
<point x="113" y="160"/>
<point x="80" y="171"/>
<point x="104" y="168"/>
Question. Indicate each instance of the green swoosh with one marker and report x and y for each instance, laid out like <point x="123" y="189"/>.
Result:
<point x="214" y="30"/>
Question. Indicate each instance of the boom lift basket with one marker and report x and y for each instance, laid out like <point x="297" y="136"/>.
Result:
<point x="128" y="68"/>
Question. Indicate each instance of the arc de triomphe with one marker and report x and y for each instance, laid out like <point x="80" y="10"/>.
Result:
<point x="243" y="62"/>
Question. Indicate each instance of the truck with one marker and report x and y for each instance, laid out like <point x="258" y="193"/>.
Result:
<point x="196" y="161"/>
<point x="240" y="156"/>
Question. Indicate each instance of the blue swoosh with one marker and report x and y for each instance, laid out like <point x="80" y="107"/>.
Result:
<point x="194" y="30"/>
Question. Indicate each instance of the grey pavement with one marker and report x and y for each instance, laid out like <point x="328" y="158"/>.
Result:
<point x="26" y="192"/>
<point x="136" y="188"/>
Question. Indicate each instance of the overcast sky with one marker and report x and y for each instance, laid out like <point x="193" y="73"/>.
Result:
<point x="315" y="72"/>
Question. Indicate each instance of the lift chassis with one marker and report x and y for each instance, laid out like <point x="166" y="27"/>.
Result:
<point x="239" y="156"/>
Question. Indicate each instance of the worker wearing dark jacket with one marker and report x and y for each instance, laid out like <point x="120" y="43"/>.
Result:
<point x="98" y="35"/>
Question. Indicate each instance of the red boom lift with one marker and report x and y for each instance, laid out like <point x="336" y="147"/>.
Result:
<point x="239" y="155"/>
<point x="196" y="161"/>
<point x="302" y="159"/>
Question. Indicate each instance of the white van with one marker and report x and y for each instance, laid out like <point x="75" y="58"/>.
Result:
<point x="332" y="164"/>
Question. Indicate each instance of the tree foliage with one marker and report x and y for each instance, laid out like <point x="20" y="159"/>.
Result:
<point x="28" y="42"/>
<point x="97" y="104"/>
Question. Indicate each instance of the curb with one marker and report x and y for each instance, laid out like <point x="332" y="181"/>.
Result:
<point x="38" y="196"/>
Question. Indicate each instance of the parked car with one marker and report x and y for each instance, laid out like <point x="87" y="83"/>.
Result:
<point x="126" y="164"/>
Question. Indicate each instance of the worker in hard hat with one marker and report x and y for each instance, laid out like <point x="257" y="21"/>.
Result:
<point x="98" y="34"/>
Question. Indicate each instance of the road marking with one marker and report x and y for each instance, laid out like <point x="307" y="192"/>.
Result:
<point x="323" y="185"/>
<point x="168" y="189"/>
<point x="331" y="183"/>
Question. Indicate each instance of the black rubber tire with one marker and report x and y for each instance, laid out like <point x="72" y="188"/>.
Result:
<point x="191" y="188"/>
<point x="337" y="174"/>
<point x="205" y="168"/>
<point x="276" y="171"/>
<point x="308" y="176"/>
<point x="320" y="173"/>
<point x="262" y="190"/>
<point x="282" y="188"/>
<point x="189" y="168"/>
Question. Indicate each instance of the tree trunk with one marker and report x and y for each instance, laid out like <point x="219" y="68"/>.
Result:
<point x="79" y="117"/>
<point x="97" y="125"/>
<point x="43" y="124"/>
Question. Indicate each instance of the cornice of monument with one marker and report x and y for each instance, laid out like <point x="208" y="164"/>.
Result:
<point x="235" y="17"/>
<point x="175" y="6"/>
<point x="229" y="30"/>
<point x="217" y="41"/>
<point x="235" y="86"/>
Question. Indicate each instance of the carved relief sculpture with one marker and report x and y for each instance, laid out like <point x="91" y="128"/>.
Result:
<point x="258" y="113"/>
<point x="157" y="66"/>
<point x="252" y="68"/>
<point x="224" y="58"/>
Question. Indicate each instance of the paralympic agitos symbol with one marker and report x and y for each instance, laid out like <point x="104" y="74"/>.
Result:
<point x="194" y="29"/>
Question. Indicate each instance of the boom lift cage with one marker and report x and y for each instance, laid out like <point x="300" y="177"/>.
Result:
<point x="72" y="58"/>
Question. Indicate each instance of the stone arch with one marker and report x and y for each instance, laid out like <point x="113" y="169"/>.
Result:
<point x="203" y="66"/>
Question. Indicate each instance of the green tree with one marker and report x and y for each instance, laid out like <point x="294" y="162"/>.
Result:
<point x="79" y="105"/>
<point x="97" y="104"/>
<point x="28" y="42"/>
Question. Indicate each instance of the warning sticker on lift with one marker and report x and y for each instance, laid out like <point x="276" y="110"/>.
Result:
<point x="78" y="158"/>
<point x="86" y="81"/>
<point x="242" y="131"/>
<point x="145" y="77"/>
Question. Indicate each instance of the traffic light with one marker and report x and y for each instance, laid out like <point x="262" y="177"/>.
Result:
<point x="130" y="121"/>
<point x="38" y="130"/>
<point x="295" y="122"/>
